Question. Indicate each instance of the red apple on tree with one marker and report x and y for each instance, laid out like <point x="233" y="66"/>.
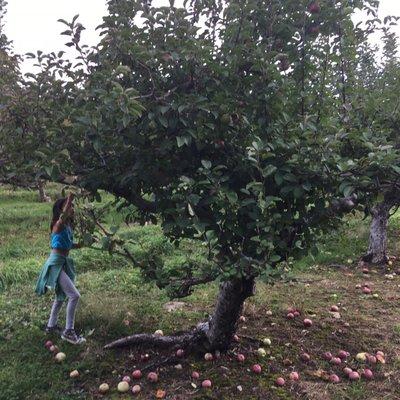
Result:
<point x="314" y="7"/>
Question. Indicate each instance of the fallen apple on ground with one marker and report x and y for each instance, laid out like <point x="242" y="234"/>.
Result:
<point x="367" y="374"/>
<point x="137" y="374"/>
<point x="361" y="357"/>
<point x="104" y="388"/>
<point x="136" y="389"/>
<point x="74" y="373"/>
<point x="152" y="377"/>
<point x="48" y="344"/>
<point x="256" y="368"/>
<point x="261" y="352"/>
<point x="267" y="341"/>
<point x="60" y="357"/>
<point x="240" y="357"/>
<point x="354" y="376"/>
<point x="208" y="357"/>
<point x="123" y="387"/>
<point x="347" y="371"/>
<point x="280" y="381"/>
<point x="336" y="361"/>
<point x="206" y="384"/>
<point x="294" y="376"/>
<point x="307" y="322"/>
<point x="343" y="354"/>
<point x="195" y="375"/>
<point x="334" y="378"/>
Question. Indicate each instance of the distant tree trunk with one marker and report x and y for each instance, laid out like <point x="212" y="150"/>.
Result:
<point x="42" y="195"/>
<point x="377" y="249"/>
<point x="215" y="334"/>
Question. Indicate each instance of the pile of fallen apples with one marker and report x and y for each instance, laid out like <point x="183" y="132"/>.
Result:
<point x="59" y="356"/>
<point x="131" y="382"/>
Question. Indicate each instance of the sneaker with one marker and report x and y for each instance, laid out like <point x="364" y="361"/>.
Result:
<point x="53" y="329"/>
<point x="70" y="336"/>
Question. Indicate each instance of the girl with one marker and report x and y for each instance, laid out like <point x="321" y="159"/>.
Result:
<point x="59" y="273"/>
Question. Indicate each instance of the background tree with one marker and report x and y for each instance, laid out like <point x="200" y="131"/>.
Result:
<point x="371" y="142"/>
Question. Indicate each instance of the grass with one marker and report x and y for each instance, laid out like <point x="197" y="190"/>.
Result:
<point x="116" y="302"/>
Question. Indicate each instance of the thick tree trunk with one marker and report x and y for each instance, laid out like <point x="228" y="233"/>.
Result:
<point x="377" y="248"/>
<point x="215" y="334"/>
<point x="223" y="323"/>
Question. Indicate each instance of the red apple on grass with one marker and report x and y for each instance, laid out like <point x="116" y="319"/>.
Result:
<point x="126" y="378"/>
<point x="206" y="384"/>
<point x="354" y="376"/>
<point x="336" y="361"/>
<point x="314" y="8"/>
<point x="334" y="308"/>
<point x="334" y="378"/>
<point x="208" y="357"/>
<point x="343" y="354"/>
<point x="347" y="371"/>
<point x="137" y="374"/>
<point x="294" y="376"/>
<point x="195" y="375"/>
<point x="256" y="368"/>
<point x="136" y="389"/>
<point x="307" y="322"/>
<point x="48" y="344"/>
<point x="180" y="353"/>
<point x="280" y="381"/>
<point x="367" y="374"/>
<point x="290" y="316"/>
<point x="327" y="355"/>
<point x="240" y="357"/>
<point x="152" y="377"/>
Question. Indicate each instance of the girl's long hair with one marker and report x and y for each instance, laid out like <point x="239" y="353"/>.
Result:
<point x="57" y="210"/>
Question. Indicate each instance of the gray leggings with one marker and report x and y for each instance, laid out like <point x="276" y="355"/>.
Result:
<point x="73" y="298"/>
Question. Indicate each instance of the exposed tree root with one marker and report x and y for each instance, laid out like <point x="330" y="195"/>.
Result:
<point x="183" y="340"/>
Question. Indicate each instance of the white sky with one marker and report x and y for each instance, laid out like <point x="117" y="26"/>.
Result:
<point x="32" y="24"/>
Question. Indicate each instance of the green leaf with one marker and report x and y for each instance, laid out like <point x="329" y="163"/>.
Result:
<point x="206" y="164"/>
<point x="232" y="197"/>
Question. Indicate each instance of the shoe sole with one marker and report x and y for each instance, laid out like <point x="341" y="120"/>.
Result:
<point x="71" y="341"/>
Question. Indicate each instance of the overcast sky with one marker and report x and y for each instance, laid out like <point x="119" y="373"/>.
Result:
<point x="32" y="24"/>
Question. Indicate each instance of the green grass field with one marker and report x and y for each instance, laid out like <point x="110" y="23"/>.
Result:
<point x="116" y="302"/>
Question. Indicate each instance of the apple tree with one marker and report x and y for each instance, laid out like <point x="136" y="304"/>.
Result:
<point x="218" y="119"/>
